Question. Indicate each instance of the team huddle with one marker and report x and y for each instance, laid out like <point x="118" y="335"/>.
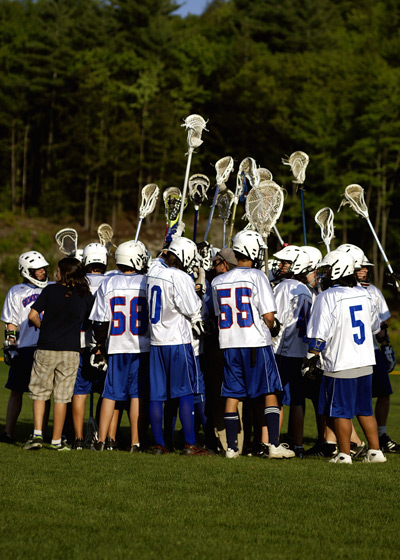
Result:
<point x="210" y="334"/>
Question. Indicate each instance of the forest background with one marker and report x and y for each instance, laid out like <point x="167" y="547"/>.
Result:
<point x="93" y="94"/>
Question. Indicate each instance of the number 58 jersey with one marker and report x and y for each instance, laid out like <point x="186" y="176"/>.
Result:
<point x="241" y="297"/>
<point x="345" y="318"/>
<point x="121" y="300"/>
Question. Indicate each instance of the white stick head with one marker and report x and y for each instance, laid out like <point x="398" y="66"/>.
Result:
<point x="264" y="206"/>
<point x="223" y="168"/>
<point x="324" y="218"/>
<point x="150" y="194"/>
<point x="194" y="124"/>
<point x="198" y="187"/>
<point x="354" y="196"/>
<point x="264" y="174"/>
<point x="224" y="203"/>
<point x="298" y="162"/>
<point x="67" y="240"/>
<point x="106" y="233"/>
<point x="248" y="166"/>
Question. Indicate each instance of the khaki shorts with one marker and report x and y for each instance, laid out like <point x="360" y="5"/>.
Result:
<point x="53" y="372"/>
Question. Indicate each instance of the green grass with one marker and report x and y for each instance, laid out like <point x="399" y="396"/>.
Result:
<point x="118" y="505"/>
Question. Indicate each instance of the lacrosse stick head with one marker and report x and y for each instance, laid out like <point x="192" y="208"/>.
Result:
<point x="67" y="240"/>
<point x="248" y="167"/>
<point x="298" y="162"/>
<point x="224" y="203"/>
<point x="354" y="197"/>
<point x="324" y="218"/>
<point x="150" y="194"/>
<point x="105" y="233"/>
<point x="264" y="206"/>
<point x="172" y="202"/>
<point x="223" y="168"/>
<point x="194" y="124"/>
<point x="198" y="186"/>
<point x="264" y="174"/>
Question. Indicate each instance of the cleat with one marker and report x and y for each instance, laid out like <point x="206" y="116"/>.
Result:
<point x="135" y="448"/>
<point x="110" y="444"/>
<point x="6" y="438"/>
<point x="78" y="444"/>
<point x="358" y="451"/>
<point x="196" y="449"/>
<point x="280" y="452"/>
<point x="299" y="452"/>
<point x="388" y="445"/>
<point x="33" y="443"/>
<point x="232" y="453"/>
<point x="322" y="450"/>
<point x="97" y="446"/>
<point x="160" y="450"/>
<point x="374" y="456"/>
<point x="61" y="447"/>
<point x="263" y="451"/>
<point x="247" y="451"/>
<point x="341" y="458"/>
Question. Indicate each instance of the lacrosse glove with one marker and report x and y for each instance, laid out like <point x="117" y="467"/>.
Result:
<point x="10" y="353"/>
<point x="276" y="327"/>
<point x="388" y="354"/>
<point x="180" y="230"/>
<point x="98" y="357"/>
<point x="309" y="367"/>
<point x="197" y="326"/>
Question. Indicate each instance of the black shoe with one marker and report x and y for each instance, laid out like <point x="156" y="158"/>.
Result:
<point x="135" y="449"/>
<point x="160" y="450"/>
<point x="78" y="444"/>
<point x="358" y="451"/>
<point x="6" y="438"/>
<point x="97" y="446"/>
<point x="322" y="450"/>
<point x="262" y="451"/>
<point x="248" y="451"/>
<point x="196" y="449"/>
<point x="388" y="445"/>
<point x="299" y="452"/>
<point x="110" y="444"/>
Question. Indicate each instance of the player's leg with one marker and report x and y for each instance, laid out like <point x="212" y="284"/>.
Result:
<point x="13" y="411"/>
<point x="106" y="416"/>
<point x="78" y="415"/>
<point x="134" y="420"/>
<point x="370" y="429"/>
<point x="231" y="419"/>
<point x="343" y="433"/>
<point x="382" y="389"/>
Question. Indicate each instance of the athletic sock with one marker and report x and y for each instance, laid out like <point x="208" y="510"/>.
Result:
<point x="200" y="409"/>
<point x="272" y="415"/>
<point x="186" y="415"/>
<point x="232" y="427"/>
<point x="56" y="442"/>
<point x="381" y="430"/>
<point x="156" y="419"/>
<point x="37" y="433"/>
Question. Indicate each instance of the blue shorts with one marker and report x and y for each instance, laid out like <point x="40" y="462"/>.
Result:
<point x="346" y="398"/>
<point x="381" y="386"/>
<point x="243" y="379"/>
<point x="200" y="388"/>
<point x="88" y="378"/>
<point x="19" y="374"/>
<point x="172" y="371"/>
<point x="292" y="380"/>
<point x="127" y="377"/>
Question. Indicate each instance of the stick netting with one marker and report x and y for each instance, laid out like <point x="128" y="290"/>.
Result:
<point x="224" y="203"/>
<point x="105" y="233"/>
<point x="223" y="168"/>
<point x="298" y="162"/>
<point x="264" y="206"/>
<point x="264" y="174"/>
<point x="67" y="240"/>
<point x="195" y="124"/>
<point x="198" y="187"/>
<point x="172" y="202"/>
<point x="150" y="194"/>
<point x="354" y="197"/>
<point x="324" y="218"/>
<point x="249" y="167"/>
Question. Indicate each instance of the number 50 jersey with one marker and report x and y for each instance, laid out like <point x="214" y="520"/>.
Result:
<point x="121" y="300"/>
<point x="241" y="297"/>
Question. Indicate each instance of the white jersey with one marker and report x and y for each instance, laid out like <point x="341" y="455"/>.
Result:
<point x="16" y="308"/>
<point x="345" y="319"/>
<point x="172" y="303"/>
<point x="381" y="305"/>
<point x="121" y="301"/>
<point x="94" y="282"/>
<point x="241" y="297"/>
<point x="293" y="302"/>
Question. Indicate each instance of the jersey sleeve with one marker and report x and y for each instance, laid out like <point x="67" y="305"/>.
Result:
<point x="186" y="299"/>
<point x="321" y="319"/>
<point x="10" y="310"/>
<point x="101" y="310"/>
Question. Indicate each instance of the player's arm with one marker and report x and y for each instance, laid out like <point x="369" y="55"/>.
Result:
<point x="269" y="319"/>
<point x="383" y="339"/>
<point x="10" y="341"/>
<point x="34" y="318"/>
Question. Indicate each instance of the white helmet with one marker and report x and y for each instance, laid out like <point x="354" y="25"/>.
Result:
<point x="78" y="255"/>
<point x="314" y="254"/>
<point x="341" y="263"/>
<point x="298" y="257"/>
<point x="185" y="249"/>
<point x="357" y="254"/>
<point x="94" y="253"/>
<point x="132" y="253"/>
<point x="28" y="263"/>
<point x="250" y="244"/>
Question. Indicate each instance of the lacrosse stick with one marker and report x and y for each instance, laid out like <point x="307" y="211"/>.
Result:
<point x="298" y="162"/>
<point x="263" y="208"/>
<point x="194" y="124"/>
<point x="354" y="196"/>
<point x="224" y="168"/>
<point x="172" y="201"/>
<point x="149" y="198"/>
<point x="324" y="218"/>
<point x="224" y="203"/>
<point x="247" y="172"/>
<point x="106" y="233"/>
<point x="264" y="174"/>
<point x="67" y="240"/>
<point x="198" y="187"/>
<point x="92" y="430"/>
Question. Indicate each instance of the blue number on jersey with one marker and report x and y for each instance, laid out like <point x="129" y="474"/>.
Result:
<point x="155" y="304"/>
<point x="357" y="323"/>
<point x="245" y="317"/>
<point x="118" y="324"/>
<point x="139" y="318"/>
<point x="225" y="319"/>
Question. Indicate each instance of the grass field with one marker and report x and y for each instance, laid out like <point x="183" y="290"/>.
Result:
<point x="117" y="505"/>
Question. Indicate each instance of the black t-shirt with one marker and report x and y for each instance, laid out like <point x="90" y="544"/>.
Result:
<point x="63" y="317"/>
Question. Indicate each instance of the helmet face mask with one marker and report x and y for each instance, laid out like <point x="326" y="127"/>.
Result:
<point x="251" y="245"/>
<point x="28" y="263"/>
<point x="340" y="264"/>
<point x="299" y="259"/>
<point x="357" y="253"/>
<point x="185" y="250"/>
<point x="132" y="254"/>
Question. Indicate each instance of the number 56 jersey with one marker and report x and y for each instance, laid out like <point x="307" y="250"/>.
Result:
<point x="241" y="297"/>
<point x="121" y="300"/>
<point x="345" y="318"/>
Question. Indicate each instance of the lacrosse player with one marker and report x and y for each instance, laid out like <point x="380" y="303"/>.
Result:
<point x="384" y="356"/>
<point x="175" y="309"/>
<point x="21" y="336"/>
<point x="243" y="299"/>
<point x="120" y="327"/>
<point x="293" y="301"/>
<point x="342" y="320"/>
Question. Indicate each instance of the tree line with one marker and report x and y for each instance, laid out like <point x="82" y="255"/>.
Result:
<point x="93" y="94"/>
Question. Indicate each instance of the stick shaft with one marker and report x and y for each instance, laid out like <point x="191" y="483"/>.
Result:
<point x="185" y="184"/>
<point x="196" y="214"/>
<point x="303" y="215"/>
<point x="138" y="229"/>
<point x="278" y="236"/>
<point x="380" y="246"/>
<point x="210" y="217"/>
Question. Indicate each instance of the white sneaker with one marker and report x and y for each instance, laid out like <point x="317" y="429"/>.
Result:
<point x="341" y="458"/>
<point x="231" y="453"/>
<point x="280" y="452"/>
<point x="374" y="456"/>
